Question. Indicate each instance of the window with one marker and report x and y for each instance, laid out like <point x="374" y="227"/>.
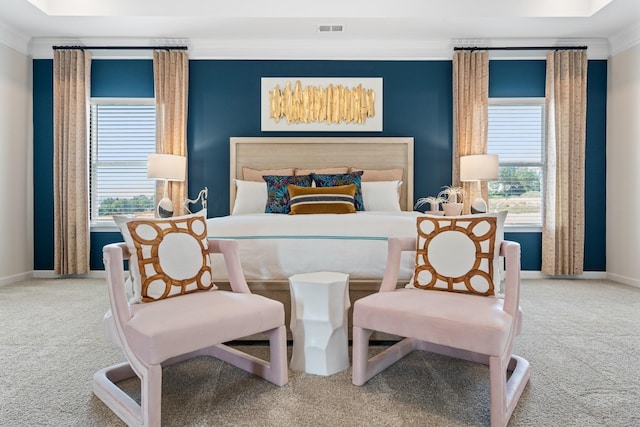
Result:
<point x="122" y="134"/>
<point x="516" y="134"/>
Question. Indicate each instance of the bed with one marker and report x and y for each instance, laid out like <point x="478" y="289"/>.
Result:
<point x="276" y="246"/>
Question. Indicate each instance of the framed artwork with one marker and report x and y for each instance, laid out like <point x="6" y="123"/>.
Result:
<point x="314" y="104"/>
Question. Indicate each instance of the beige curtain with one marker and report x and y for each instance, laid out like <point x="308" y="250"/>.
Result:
<point x="171" y="78"/>
<point x="470" y="114"/>
<point x="71" y="83"/>
<point x="563" y="226"/>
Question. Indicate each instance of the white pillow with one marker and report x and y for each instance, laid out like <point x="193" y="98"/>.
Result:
<point x="168" y="256"/>
<point x="251" y="197"/>
<point x="382" y="196"/>
<point x="451" y="259"/>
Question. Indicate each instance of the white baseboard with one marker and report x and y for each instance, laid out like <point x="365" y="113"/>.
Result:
<point x="531" y="274"/>
<point x="7" y="280"/>
<point x="623" y="279"/>
<point x="49" y="274"/>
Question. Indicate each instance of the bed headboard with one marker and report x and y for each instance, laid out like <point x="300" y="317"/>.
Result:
<point x="361" y="152"/>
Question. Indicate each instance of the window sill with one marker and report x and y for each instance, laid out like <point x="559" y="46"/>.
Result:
<point x="523" y="229"/>
<point x="104" y="228"/>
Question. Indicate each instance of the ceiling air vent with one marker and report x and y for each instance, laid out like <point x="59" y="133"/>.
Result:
<point x="330" y="28"/>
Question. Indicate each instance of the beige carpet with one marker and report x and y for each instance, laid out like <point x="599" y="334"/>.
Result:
<point x="581" y="337"/>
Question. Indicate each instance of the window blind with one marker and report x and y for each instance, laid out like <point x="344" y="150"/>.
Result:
<point x="515" y="133"/>
<point x="121" y="136"/>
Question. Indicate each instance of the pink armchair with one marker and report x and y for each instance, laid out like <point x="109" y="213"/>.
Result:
<point x="477" y="328"/>
<point x="156" y="334"/>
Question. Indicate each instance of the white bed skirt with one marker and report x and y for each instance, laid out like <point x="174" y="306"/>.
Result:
<point x="276" y="246"/>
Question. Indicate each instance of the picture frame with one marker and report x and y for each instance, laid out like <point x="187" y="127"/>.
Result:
<point x="373" y="86"/>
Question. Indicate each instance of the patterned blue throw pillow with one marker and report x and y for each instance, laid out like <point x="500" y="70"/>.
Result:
<point x="336" y="180"/>
<point x="277" y="193"/>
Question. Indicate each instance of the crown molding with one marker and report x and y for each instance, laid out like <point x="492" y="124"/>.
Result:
<point x="625" y="39"/>
<point x="286" y="49"/>
<point x="14" y="39"/>
<point x="274" y="49"/>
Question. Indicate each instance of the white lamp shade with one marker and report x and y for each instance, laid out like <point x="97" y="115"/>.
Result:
<point x="166" y="166"/>
<point x="479" y="167"/>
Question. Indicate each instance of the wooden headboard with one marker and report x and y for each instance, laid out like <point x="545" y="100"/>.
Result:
<point x="295" y="152"/>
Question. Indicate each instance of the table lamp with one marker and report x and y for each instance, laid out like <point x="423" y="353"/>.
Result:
<point x="167" y="167"/>
<point x="479" y="167"/>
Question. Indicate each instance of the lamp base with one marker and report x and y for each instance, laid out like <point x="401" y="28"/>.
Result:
<point x="479" y="206"/>
<point x="165" y="208"/>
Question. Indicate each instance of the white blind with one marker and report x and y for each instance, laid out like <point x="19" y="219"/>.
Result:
<point x="122" y="136"/>
<point x="515" y="133"/>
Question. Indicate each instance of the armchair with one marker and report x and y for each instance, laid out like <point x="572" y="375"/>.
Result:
<point x="156" y="334"/>
<point x="476" y="328"/>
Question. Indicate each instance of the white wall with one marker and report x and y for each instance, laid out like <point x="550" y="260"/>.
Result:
<point x="623" y="167"/>
<point x="16" y="172"/>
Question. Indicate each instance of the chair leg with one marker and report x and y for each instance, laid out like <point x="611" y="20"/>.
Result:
<point x="274" y="371"/>
<point x="498" y="391"/>
<point x="504" y="395"/>
<point x="365" y="368"/>
<point x="126" y="408"/>
<point x="151" y="397"/>
<point x="360" y="355"/>
<point x="278" y="368"/>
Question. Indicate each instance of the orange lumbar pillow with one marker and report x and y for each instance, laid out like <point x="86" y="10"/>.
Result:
<point x="319" y="200"/>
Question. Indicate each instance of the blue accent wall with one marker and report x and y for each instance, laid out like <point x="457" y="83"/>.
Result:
<point x="43" y="164"/>
<point x="224" y="101"/>
<point x="596" y="168"/>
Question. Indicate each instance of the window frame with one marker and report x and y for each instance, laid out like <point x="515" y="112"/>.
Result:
<point x="107" y="226"/>
<point x="528" y="101"/>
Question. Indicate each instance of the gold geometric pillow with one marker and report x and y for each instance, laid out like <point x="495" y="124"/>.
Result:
<point x="456" y="254"/>
<point x="169" y="257"/>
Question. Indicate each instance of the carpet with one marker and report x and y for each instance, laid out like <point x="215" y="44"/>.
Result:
<point x="582" y="338"/>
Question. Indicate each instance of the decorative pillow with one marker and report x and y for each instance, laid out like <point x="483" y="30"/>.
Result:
<point x="380" y="174"/>
<point x="335" y="180"/>
<point x="169" y="257"/>
<point x="381" y="196"/>
<point x="277" y="194"/>
<point x="459" y="254"/>
<point x="250" y="174"/>
<point x="322" y="200"/>
<point x="251" y="197"/>
<point x="335" y="170"/>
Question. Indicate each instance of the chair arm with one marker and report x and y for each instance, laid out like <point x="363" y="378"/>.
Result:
<point x="113" y="256"/>
<point x="511" y="252"/>
<point x="229" y="250"/>
<point x="394" y="253"/>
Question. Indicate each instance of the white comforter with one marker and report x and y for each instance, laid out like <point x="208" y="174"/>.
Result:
<point x="274" y="246"/>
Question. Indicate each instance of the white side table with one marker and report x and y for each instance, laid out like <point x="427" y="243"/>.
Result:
<point x="319" y="305"/>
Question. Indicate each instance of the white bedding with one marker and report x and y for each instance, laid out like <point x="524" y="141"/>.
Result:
<point x="276" y="246"/>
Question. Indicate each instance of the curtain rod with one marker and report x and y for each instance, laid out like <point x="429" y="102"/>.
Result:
<point x="522" y="48"/>
<point x="122" y="47"/>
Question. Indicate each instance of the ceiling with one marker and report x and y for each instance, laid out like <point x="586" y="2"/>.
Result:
<point x="290" y="28"/>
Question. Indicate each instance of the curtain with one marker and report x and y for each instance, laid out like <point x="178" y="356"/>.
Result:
<point x="171" y="79"/>
<point x="563" y="225"/>
<point x="71" y="82"/>
<point x="470" y="114"/>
